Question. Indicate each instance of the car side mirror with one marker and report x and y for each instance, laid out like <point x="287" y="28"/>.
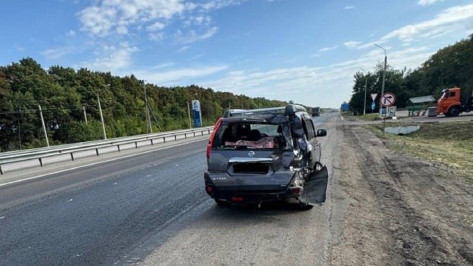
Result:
<point x="321" y="132"/>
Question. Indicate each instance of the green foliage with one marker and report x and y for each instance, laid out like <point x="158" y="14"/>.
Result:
<point x="63" y="93"/>
<point x="450" y="66"/>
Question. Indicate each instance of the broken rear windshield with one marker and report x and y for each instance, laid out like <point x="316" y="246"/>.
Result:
<point x="251" y="136"/>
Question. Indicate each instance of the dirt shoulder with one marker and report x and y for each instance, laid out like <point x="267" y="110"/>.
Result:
<point x="403" y="210"/>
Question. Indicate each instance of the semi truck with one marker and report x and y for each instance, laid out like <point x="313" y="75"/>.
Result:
<point x="450" y="103"/>
<point x="315" y="111"/>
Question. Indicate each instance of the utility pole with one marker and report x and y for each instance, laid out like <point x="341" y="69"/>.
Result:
<point x="364" y="104"/>
<point x="189" y="113"/>
<point x="366" y="84"/>
<point x="85" y="115"/>
<point x="44" y="126"/>
<point x="384" y="78"/>
<point x="148" y="117"/>
<point x="101" y="118"/>
<point x="19" y="126"/>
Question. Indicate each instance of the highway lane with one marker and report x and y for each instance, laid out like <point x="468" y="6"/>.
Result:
<point x="152" y="209"/>
<point x="93" y="215"/>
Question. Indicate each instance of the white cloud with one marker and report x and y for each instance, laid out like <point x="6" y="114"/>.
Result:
<point x="325" y="86"/>
<point x="113" y="59"/>
<point x="217" y="4"/>
<point x="156" y="36"/>
<point x="56" y="53"/>
<point x="193" y="36"/>
<point x="164" y="65"/>
<point x="352" y="44"/>
<point x="155" y="27"/>
<point x="178" y="76"/>
<point x="122" y="30"/>
<point x="97" y="21"/>
<point x="123" y="16"/>
<point x="198" y="20"/>
<point x="71" y="33"/>
<point x="427" y="2"/>
<point x="183" y="48"/>
<point x="348" y="7"/>
<point x="326" y="49"/>
<point x="101" y="19"/>
<point x="455" y="19"/>
<point x="451" y="19"/>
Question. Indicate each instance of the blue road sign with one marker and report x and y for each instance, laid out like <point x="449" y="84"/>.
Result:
<point x="373" y="105"/>
<point x="196" y="113"/>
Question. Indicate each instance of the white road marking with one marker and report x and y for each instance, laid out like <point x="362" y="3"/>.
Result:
<point x="92" y="164"/>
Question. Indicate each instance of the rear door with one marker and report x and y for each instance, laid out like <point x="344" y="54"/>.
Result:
<point x="315" y="188"/>
<point x="250" y="153"/>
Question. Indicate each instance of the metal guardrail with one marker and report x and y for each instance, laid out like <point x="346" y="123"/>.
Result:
<point x="42" y="153"/>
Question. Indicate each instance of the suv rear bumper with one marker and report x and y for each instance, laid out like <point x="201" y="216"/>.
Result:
<point x="248" y="194"/>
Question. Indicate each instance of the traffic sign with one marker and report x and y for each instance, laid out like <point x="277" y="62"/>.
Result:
<point x="196" y="113"/>
<point x="373" y="96"/>
<point x="373" y="106"/>
<point x="388" y="99"/>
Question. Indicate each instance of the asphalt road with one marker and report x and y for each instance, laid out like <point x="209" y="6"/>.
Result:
<point x="93" y="215"/>
<point x="152" y="209"/>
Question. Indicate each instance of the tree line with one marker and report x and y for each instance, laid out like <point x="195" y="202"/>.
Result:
<point x="448" y="67"/>
<point x="69" y="103"/>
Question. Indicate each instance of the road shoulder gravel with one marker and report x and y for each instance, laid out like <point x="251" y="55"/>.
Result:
<point x="402" y="210"/>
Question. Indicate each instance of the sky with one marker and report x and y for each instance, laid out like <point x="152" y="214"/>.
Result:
<point x="306" y="51"/>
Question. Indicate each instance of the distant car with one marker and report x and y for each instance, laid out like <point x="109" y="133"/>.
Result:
<point x="263" y="155"/>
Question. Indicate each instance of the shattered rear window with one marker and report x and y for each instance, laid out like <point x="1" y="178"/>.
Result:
<point x="251" y="136"/>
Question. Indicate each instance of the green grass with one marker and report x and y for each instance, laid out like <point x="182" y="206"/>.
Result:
<point x="367" y="117"/>
<point x="449" y="143"/>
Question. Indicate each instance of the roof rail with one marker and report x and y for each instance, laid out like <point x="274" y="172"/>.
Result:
<point x="289" y="109"/>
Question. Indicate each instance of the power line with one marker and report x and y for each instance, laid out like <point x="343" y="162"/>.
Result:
<point x="27" y="111"/>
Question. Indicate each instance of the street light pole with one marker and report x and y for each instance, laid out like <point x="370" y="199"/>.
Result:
<point x="101" y="118"/>
<point x="384" y="78"/>
<point x="85" y="114"/>
<point x="44" y="125"/>
<point x="148" y="117"/>
<point x="189" y="113"/>
<point x="366" y="84"/>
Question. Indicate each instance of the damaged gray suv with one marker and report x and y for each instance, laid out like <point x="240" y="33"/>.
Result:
<point x="264" y="155"/>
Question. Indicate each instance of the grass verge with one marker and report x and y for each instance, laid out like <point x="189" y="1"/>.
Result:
<point x="449" y="143"/>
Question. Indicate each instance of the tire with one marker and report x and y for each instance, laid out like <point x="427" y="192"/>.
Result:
<point x="453" y="111"/>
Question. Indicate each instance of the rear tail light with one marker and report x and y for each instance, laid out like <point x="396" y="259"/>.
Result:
<point x="209" y="189"/>
<point x="211" y="140"/>
<point x="237" y="199"/>
<point x="296" y="190"/>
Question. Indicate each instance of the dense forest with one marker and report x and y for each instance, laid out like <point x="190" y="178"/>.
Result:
<point x="69" y="102"/>
<point x="450" y="66"/>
